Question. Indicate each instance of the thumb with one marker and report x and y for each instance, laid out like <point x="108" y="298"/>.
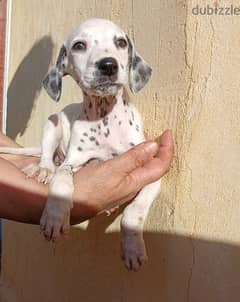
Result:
<point x="159" y="165"/>
<point x="135" y="157"/>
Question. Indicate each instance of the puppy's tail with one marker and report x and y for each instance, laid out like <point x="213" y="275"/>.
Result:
<point x="32" y="151"/>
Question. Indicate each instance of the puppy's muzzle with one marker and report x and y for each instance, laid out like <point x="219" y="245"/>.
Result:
<point x="108" y="66"/>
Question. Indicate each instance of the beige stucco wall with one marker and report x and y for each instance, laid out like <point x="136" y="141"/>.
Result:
<point x="193" y="230"/>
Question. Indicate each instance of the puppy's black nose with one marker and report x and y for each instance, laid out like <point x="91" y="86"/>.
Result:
<point x="108" y="66"/>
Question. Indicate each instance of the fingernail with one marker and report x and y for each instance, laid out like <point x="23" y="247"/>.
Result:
<point x="151" y="146"/>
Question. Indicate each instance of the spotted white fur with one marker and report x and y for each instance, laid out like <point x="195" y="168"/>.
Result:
<point x="104" y="125"/>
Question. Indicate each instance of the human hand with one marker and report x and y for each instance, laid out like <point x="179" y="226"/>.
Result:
<point x="98" y="187"/>
<point x="105" y="185"/>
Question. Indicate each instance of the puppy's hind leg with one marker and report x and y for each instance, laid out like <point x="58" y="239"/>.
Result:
<point x="52" y="135"/>
<point x="133" y="249"/>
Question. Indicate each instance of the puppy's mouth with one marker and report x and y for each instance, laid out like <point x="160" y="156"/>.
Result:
<point x="102" y="85"/>
<point x="107" y="86"/>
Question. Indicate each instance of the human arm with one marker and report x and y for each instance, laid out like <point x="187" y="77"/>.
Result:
<point x="98" y="187"/>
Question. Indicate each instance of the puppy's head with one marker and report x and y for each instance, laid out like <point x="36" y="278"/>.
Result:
<point x="101" y="59"/>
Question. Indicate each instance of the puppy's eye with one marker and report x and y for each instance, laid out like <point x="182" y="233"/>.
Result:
<point x="79" y="46"/>
<point x="121" y="43"/>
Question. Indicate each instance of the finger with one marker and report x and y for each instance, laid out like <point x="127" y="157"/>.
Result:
<point x="166" y="144"/>
<point x="158" y="166"/>
<point x="135" y="157"/>
<point x="116" y="203"/>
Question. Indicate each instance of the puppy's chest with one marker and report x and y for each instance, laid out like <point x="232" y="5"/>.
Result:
<point x="116" y="132"/>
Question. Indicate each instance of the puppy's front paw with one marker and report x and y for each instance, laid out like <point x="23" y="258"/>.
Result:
<point x="55" y="218"/>
<point x="41" y="174"/>
<point x="133" y="251"/>
<point x="31" y="170"/>
<point x="45" y="175"/>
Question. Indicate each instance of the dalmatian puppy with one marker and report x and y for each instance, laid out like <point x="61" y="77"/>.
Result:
<point x="101" y="58"/>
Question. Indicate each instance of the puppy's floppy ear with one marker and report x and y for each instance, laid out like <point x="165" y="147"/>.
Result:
<point x="139" y="71"/>
<point x="53" y="80"/>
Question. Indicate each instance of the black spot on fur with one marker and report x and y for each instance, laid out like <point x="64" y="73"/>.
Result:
<point x="137" y="78"/>
<point x="99" y="126"/>
<point x="132" y="144"/>
<point x="54" y="86"/>
<point x="97" y="143"/>
<point x="132" y="115"/>
<point x="103" y="112"/>
<point x="82" y="140"/>
<point x="136" y="60"/>
<point x="107" y="133"/>
<point x="115" y="116"/>
<point x="130" y="122"/>
<point x="137" y="127"/>
<point x="93" y="130"/>
<point x="61" y="56"/>
<point x="142" y="73"/>
<point x="105" y="121"/>
<point x="114" y="154"/>
<point x="79" y="149"/>
<point x="92" y="138"/>
<point x="85" y="134"/>
<point x="119" y="123"/>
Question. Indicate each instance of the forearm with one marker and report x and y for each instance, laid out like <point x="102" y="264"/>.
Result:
<point x="23" y="199"/>
<point x="96" y="189"/>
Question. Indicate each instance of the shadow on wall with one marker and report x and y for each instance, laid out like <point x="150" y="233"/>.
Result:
<point x="26" y="85"/>
<point x="179" y="269"/>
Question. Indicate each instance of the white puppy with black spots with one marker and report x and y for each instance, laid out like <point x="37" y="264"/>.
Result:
<point x="100" y="57"/>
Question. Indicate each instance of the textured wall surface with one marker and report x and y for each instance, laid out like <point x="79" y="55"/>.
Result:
<point x="192" y="232"/>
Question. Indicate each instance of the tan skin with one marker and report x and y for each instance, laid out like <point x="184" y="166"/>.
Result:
<point x="98" y="187"/>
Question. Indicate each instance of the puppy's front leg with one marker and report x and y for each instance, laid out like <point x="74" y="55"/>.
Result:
<point x="51" y="137"/>
<point x="133" y="249"/>
<point x="56" y="215"/>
